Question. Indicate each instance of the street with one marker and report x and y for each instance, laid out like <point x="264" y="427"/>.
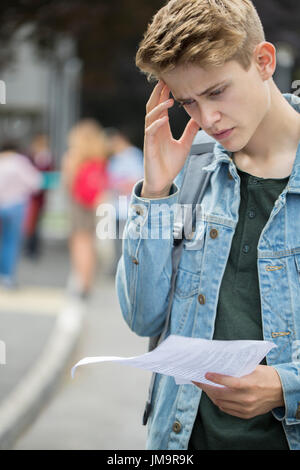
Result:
<point x="102" y="407"/>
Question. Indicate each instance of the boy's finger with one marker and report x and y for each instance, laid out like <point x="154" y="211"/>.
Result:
<point x="154" y="99"/>
<point x="159" y="111"/>
<point x="189" y="133"/>
<point x="226" y="380"/>
<point x="165" y="93"/>
<point x="152" y="129"/>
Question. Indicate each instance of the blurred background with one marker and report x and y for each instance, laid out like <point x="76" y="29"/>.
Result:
<point x="71" y="98"/>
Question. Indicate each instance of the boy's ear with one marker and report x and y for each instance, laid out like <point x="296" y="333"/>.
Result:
<point x="264" y="56"/>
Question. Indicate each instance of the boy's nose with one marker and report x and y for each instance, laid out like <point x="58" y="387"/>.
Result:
<point x="208" y="117"/>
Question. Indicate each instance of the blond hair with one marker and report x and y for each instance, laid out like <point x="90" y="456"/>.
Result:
<point x="201" y="32"/>
<point x="86" y="140"/>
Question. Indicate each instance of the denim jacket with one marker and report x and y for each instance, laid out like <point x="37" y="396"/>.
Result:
<point x="143" y="283"/>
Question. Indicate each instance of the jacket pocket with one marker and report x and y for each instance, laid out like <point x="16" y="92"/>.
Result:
<point x="183" y="308"/>
<point x="187" y="283"/>
<point x="193" y="249"/>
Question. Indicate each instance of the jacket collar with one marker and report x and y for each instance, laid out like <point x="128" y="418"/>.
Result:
<point x="223" y="155"/>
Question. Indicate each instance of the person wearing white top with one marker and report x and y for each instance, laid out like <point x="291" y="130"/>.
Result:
<point x="18" y="180"/>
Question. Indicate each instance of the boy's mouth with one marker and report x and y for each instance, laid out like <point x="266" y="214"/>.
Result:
<point x="223" y="134"/>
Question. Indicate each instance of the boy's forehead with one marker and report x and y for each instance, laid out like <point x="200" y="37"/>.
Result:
<point x="193" y="78"/>
<point x="188" y="78"/>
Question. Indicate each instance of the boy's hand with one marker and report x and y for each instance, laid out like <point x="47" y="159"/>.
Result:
<point x="164" y="156"/>
<point x="248" y="396"/>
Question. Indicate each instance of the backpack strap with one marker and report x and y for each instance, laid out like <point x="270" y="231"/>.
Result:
<point x="191" y="193"/>
<point x="192" y="189"/>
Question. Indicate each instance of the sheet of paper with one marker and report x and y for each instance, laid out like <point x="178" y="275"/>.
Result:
<point x="188" y="359"/>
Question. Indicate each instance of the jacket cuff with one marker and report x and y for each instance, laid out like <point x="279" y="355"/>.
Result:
<point x="151" y="218"/>
<point x="289" y="376"/>
<point x="138" y="188"/>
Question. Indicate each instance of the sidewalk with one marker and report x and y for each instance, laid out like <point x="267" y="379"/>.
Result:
<point x="33" y="322"/>
<point x="41" y="407"/>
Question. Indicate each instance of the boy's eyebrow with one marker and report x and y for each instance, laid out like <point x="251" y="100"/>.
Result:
<point x="204" y="92"/>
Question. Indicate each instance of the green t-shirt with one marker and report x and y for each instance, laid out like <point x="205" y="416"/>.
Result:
<point x="239" y="317"/>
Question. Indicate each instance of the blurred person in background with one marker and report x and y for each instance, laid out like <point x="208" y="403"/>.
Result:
<point x="125" y="168"/>
<point x="41" y="157"/>
<point x="18" y="180"/>
<point x="84" y="172"/>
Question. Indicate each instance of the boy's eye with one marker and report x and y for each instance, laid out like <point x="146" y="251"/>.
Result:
<point x="186" y="103"/>
<point x="217" y="92"/>
<point x="213" y="94"/>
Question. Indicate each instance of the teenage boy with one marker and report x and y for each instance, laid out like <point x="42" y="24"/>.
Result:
<point x="243" y="281"/>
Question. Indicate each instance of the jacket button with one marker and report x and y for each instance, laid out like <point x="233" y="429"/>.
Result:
<point x="230" y="175"/>
<point x="138" y="209"/>
<point x="246" y="249"/>
<point x="298" y="411"/>
<point x="176" y="427"/>
<point x="213" y="233"/>
<point x="135" y="261"/>
<point x="201" y="299"/>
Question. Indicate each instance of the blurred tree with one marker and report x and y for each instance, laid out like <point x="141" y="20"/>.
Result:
<point x="281" y="21"/>
<point x="107" y="34"/>
<point x="104" y="29"/>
